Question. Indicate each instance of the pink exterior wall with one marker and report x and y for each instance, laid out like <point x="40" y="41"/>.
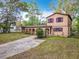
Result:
<point x="65" y="25"/>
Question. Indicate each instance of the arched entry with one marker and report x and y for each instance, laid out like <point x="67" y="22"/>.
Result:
<point x="33" y="31"/>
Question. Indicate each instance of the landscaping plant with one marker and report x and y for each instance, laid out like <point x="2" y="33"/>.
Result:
<point x="40" y="33"/>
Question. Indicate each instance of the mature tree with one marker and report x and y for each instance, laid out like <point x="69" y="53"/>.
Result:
<point x="69" y="6"/>
<point x="6" y="14"/>
<point x="33" y="14"/>
<point x="32" y="21"/>
<point x="9" y="10"/>
<point x="77" y="24"/>
<point x="24" y="23"/>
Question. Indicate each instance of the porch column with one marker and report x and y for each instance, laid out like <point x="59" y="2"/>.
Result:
<point x="31" y="31"/>
<point x="35" y="30"/>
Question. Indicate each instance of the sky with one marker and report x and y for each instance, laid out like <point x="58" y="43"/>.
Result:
<point x="43" y="6"/>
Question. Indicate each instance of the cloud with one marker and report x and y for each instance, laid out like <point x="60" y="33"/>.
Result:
<point x="23" y="14"/>
<point x="42" y="16"/>
<point x="46" y="13"/>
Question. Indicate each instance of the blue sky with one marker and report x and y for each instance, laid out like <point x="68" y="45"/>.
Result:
<point x="43" y="4"/>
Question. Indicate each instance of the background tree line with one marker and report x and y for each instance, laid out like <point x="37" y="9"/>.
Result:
<point x="9" y="9"/>
<point x="70" y="7"/>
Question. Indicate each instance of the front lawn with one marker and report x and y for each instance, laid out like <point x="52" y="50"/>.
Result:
<point x="53" y="48"/>
<point x="7" y="37"/>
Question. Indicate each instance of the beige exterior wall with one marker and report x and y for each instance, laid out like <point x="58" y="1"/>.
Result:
<point x="66" y="24"/>
<point x="61" y="33"/>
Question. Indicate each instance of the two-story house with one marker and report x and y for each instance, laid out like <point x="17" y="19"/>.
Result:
<point x="61" y="24"/>
<point x="58" y="24"/>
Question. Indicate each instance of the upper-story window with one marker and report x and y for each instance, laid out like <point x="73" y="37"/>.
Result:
<point x="50" y="20"/>
<point x="59" y="19"/>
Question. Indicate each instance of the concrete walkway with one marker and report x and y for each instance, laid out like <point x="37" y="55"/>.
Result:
<point x="18" y="46"/>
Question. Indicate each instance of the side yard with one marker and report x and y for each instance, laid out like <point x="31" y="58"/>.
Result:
<point x="11" y="37"/>
<point x="53" y="48"/>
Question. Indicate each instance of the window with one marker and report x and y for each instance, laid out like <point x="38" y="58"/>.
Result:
<point x="59" y="19"/>
<point x="50" y="20"/>
<point x="58" y="29"/>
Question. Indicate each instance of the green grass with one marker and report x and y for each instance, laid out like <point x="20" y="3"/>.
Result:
<point x="53" y="48"/>
<point x="7" y="37"/>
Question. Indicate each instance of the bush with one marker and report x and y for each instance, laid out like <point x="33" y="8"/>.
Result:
<point x="40" y="33"/>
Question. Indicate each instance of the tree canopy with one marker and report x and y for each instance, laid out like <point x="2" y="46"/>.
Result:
<point x="68" y="6"/>
<point x="9" y="9"/>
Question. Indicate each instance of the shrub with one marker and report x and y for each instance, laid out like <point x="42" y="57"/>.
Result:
<point x="40" y="33"/>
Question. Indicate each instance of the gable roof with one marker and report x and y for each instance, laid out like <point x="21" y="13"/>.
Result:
<point x="60" y="14"/>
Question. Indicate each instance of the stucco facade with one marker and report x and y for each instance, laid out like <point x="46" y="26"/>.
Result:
<point x="65" y="24"/>
<point x="58" y="24"/>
